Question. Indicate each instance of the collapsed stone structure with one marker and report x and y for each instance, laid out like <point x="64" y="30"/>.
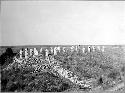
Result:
<point x="84" y="67"/>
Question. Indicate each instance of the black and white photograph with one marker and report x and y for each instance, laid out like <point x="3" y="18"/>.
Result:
<point x="62" y="46"/>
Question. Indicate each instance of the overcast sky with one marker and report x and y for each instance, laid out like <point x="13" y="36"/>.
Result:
<point x="62" y="22"/>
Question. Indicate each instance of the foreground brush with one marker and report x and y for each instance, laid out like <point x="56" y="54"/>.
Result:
<point x="51" y="70"/>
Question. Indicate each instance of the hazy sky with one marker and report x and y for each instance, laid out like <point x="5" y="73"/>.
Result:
<point x="62" y="22"/>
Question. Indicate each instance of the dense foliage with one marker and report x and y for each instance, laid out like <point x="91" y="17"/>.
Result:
<point x="90" y="65"/>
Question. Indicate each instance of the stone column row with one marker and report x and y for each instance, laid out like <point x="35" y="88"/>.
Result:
<point x="24" y="53"/>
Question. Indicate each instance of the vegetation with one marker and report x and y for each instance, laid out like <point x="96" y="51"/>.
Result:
<point x="31" y="77"/>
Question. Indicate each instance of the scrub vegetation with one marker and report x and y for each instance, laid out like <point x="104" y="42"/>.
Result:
<point x="37" y="75"/>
